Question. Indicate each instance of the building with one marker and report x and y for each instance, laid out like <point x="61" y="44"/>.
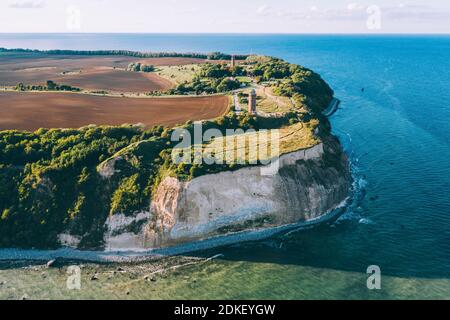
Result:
<point x="233" y="61"/>
<point x="252" y="102"/>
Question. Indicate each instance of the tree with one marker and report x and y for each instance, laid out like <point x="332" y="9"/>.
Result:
<point x="228" y="85"/>
<point x="51" y="85"/>
<point x="147" y="68"/>
<point x="20" y="87"/>
<point x="238" y="71"/>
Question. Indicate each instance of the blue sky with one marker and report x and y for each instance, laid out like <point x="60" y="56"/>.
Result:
<point x="231" y="16"/>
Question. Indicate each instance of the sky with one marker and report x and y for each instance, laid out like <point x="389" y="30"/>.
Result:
<point x="231" y="16"/>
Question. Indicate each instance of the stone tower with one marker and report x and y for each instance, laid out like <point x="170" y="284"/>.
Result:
<point x="252" y="102"/>
<point x="233" y="61"/>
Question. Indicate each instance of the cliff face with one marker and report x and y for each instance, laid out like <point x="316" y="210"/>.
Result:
<point x="308" y="185"/>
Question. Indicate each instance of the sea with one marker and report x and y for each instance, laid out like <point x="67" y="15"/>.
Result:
<point x="394" y="124"/>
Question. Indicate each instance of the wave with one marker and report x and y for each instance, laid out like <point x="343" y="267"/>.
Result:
<point x="354" y="210"/>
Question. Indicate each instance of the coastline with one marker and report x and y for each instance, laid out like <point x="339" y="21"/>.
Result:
<point x="133" y="255"/>
<point x="320" y="209"/>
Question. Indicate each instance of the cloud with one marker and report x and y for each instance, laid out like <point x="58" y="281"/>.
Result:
<point x="190" y="10"/>
<point x="30" y="4"/>
<point x="352" y="11"/>
<point x="355" y="11"/>
<point x="319" y="14"/>
<point x="416" y="12"/>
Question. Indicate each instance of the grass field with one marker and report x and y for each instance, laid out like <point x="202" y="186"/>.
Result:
<point x="285" y="140"/>
<point x="246" y="80"/>
<point x="269" y="103"/>
<point x="178" y="74"/>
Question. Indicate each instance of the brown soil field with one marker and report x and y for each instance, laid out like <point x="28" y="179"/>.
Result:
<point x="115" y="80"/>
<point x="91" y="79"/>
<point x="32" y="110"/>
<point x="97" y="72"/>
<point x="19" y="61"/>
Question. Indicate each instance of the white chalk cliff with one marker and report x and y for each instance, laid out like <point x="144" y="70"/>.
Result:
<point x="308" y="184"/>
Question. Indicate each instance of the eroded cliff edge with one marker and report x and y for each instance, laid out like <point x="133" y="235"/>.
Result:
<point x="309" y="184"/>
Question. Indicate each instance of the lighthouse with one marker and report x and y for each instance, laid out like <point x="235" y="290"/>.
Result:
<point x="233" y="61"/>
<point x="252" y="102"/>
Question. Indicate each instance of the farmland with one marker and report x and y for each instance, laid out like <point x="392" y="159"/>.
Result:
<point x="109" y="94"/>
<point x="33" y="110"/>
<point x="87" y="72"/>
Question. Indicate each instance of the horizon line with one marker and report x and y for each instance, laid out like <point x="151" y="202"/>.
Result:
<point x="237" y="33"/>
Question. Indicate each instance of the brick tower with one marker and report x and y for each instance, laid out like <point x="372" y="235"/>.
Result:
<point x="252" y="102"/>
<point x="233" y="61"/>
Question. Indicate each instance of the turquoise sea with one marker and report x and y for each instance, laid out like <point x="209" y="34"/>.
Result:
<point x="397" y="134"/>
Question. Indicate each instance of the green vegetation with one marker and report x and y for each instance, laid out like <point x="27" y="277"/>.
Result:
<point x="268" y="102"/>
<point x="210" y="78"/>
<point x="49" y="182"/>
<point x="244" y="79"/>
<point x="296" y="86"/>
<point x="51" y="86"/>
<point x="299" y="135"/>
<point x="228" y="85"/>
<point x="291" y="124"/>
<point x="304" y="86"/>
<point x="214" y="71"/>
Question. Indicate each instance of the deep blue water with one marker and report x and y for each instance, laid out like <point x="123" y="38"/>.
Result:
<point x="397" y="133"/>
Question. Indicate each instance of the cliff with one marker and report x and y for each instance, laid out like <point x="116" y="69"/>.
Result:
<point x="118" y="187"/>
<point x="309" y="184"/>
